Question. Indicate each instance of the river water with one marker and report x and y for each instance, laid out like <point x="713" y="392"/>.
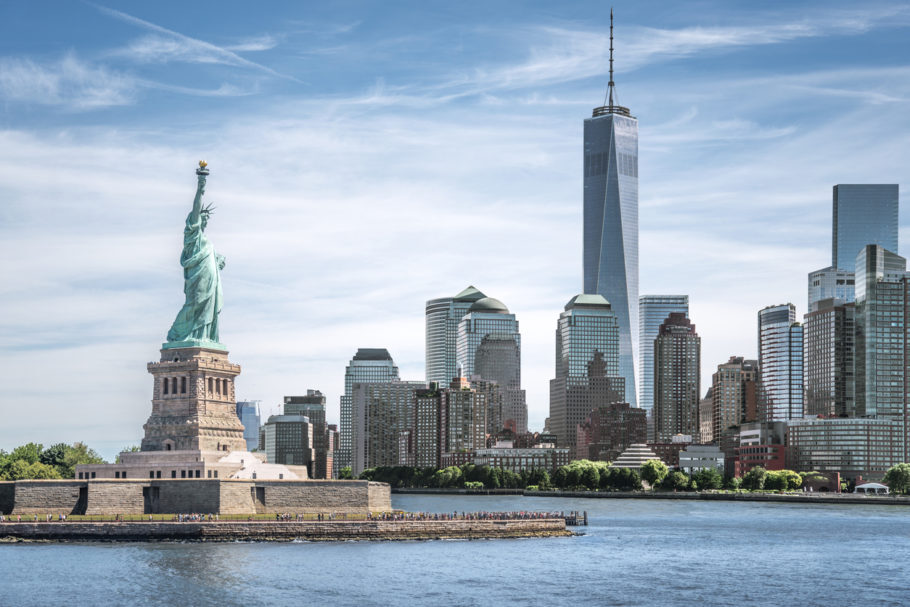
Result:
<point x="634" y="552"/>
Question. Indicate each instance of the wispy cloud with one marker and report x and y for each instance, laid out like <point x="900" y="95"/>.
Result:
<point x="174" y="46"/>
<point x="69" y="82"/>
<point x="257" y="43"/>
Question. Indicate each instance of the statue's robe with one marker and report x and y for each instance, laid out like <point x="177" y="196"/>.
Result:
<point x="198" y="319"/>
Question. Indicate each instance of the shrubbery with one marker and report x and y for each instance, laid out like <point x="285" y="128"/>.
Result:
<point x="33" y="461"/>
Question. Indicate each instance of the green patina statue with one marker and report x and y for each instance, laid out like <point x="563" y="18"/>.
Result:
<point x="196" y="324"/>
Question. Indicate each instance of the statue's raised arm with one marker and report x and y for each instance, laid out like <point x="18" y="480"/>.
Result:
<point x="197" y="322"/>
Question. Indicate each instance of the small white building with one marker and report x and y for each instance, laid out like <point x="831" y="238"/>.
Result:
<point x="872" y="489"/>
<point x="701" y="457"/>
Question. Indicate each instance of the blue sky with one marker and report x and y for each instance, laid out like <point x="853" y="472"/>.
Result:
<point x="367" y="157"/>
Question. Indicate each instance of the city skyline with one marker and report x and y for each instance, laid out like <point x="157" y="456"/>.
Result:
<point x="308" y="117"/>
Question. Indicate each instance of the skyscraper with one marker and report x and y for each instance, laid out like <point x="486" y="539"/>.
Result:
<point x="863" y="214"/>
<point x="587" y="366"/>
<point x="368" y="365"/>
<point x="381" y="412"/>
<point x="442" y="318"/>
<point x="248" y="412"/>
<point x="653" y="311"/>
<point x="830" y="351"/>
<point x="312" y="405"/>
<point x="486" y="331"/>
<point x="611" y="219"/>
<point x="677" y="378"/>
<point x="734" y="395"/>
<point x="830" y="283"/>
<point x="780" y="361"/>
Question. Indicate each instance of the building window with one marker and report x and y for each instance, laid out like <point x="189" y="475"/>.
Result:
<point x="174" y="385"/>
<point x="216" y="474"/>
<point x="158" y="474"/>
<point x="164" y="386"/>
<point x="151" y="474"/>
<point x="183" y="385"/>
<point x="173" y="474"/>
<point x="224" y="389"/>
<point x="198" y="473"/>
<point x="183" y="474"/>
<point x="211" y="386"/>
<point x="80" y="475"/>
<point x="116" y="474"/>
<point x="93" y="475"/>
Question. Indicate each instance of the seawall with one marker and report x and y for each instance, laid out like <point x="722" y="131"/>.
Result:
<point x="229" y="531"/>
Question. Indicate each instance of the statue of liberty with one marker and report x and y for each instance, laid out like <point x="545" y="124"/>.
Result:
<point x="197" y="322"/>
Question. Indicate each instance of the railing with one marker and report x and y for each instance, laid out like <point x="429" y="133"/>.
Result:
<point x="295" y="517"/>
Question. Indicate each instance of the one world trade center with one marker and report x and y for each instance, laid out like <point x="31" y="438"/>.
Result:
<point x="611" y="220"/>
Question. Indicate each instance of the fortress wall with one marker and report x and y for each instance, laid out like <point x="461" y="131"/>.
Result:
<point x="325" y="496"/>
<point x="116" y="496"/>
<point x="46" y="496"/>
<point x="236" y="498"/>
<point x="189" y="496"/>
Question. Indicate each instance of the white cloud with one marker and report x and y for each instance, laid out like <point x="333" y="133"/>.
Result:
<point x="69" y="82"/>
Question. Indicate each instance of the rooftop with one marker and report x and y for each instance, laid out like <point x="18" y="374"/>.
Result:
<point x="372" y="354"/>
<point x="489" y="304"/>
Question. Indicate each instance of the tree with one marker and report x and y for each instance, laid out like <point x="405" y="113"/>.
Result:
<point x="675" y="480"/>
<point x="590" y="477"/>
<point x="754" y="479"/>
<point x="708" y="478"/>
<point x="654" y="471"/>
<point x="898" y="478"/>
<point x="345" y="473"/>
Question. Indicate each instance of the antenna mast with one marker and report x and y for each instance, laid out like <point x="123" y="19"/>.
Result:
<point x="608" y="107"/>
<point x="610" y="86"/>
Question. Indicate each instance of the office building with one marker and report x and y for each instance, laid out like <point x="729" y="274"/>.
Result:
<point x="706" y="418"/>
<point x="609" y="430"/>
<point x="611" y="220"/>
<point x="701" y="457"/>
<point x="487" y="329"/>
<point x="587" y="365"/>
<point x="312" y="405"/>
<point x="442" y="318"/>
<point x="854" y="447"/>
<point x="830" y="283"/>
<point x="380" y="412"/>
<point x="653" y="310"/>
<point x="761" y="444"/>
<point x="881" y="334"/>
<point x="780" y="360"/>
<point x="447" y="421"/>
<point x="369" y="365"/>
<point x="677" y="378"/>
<point x="863" y="214"/>
<point x="288" y="440"/>
<point x="830" y="350"/>
<point x="248" y="412"/>
<point x="734" y="395"/>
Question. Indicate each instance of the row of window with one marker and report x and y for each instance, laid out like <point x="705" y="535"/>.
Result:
<point x="169" y="385"/>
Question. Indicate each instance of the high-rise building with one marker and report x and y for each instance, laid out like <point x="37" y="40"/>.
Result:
<point x="485" y="331"/>
<point x="734" y="395"/>
<point x="587" y="365"/>
<point x="677" y="378"/>
<point x="288" y="439"/>
<point x="830" y="283"/>
<point x="248" y="412"/>
<point x="312" y="405"/>
<point x="706" y="418"/>
<point x="369" y="365"/>
<point x="882" y="335"/>
<point x="830" y="384"/>
<point x="380" y="412"/>
<point x="653" y="310"/>
<point x="609" y="430"/>
<point x="780" y="361"/>
<point x="863" y="214"/>
<point x="498" y="359"/>
<point x="449" y="420"/>
<point x="611" y="220"/>
<point x="442" y="318"/>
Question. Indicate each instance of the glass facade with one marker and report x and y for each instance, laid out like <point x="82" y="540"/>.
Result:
<point x="881" y="333"/>
<point x="830" y="283"/>
<point x="611" y="226"/>
<point x="863" y="214"/>
<point x="248" y="412"/>
<point x="587" y="365"/>
<point x="830" y="381"/>
<point x="780" y="360"/>
<point x="442" y="318"/>
<point x="852" y="446"/>
<point x="653" y="310"/>
<point x="368" y="365"/>
<point x="484" y="331"/>
<point x="288" y="440"/>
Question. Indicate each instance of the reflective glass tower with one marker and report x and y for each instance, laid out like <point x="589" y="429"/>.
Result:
<point x="587" y="365"/>
<point x="611" y="219"/>
<point x="863" y="214"/>
<point x="482" y="347"/>
<point x="653" y="311"/>
<point x="442" y="317"/>
<point x="780" y="361"/>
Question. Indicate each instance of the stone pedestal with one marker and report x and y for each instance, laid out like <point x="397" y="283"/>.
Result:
<point x="193" y="402"/>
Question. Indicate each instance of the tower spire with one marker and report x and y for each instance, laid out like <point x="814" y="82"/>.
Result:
<point x="611" y="84"/>
<point x="608" y="107"/>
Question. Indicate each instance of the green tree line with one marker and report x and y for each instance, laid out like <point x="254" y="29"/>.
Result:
<point x="33" y="461"/>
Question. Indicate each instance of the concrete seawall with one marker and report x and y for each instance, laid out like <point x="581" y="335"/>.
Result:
<point x="227" y="531"/>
